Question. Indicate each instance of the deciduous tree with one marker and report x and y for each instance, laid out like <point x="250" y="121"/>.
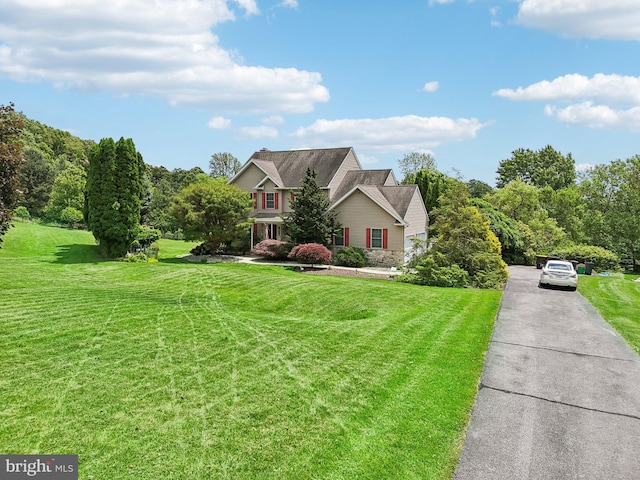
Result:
<point x="545" y="167"/>
<point x="11" y="160"/>
<point x="413" y="162"/>
<point x="36" y="181"/>
<point x="213" y="211"/>
<point x="224" y="165"/>
<point x="612" y="199"/>
<point x="68" y="191"/>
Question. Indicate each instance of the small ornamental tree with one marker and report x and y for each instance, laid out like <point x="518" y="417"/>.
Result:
<point x="310" y="220"/>
<point x="71" y="216"/>
<point x="213" y="211"/>
<point x="276" y="249"/>
<point x="311" y="253"/>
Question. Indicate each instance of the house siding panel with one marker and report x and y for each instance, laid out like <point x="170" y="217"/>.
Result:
<point x="359" y="213"/>
<point x="350" y="163"/>
<point x="250" y="178"/>
<point x="416" y="216"/>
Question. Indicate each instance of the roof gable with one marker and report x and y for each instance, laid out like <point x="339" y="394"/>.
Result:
<point x="363" y="177"/>
<point x="290" y="167"/>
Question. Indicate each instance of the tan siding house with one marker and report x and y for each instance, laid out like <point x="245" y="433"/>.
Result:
<point x="376" y="213"/>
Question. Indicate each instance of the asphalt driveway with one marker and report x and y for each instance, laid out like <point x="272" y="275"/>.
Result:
<point x="560" y="392"/>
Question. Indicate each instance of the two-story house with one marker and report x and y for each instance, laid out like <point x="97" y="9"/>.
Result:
<point x="376" y="213"/>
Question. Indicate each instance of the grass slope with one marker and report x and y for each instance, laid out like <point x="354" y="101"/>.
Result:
<point x="177" y="370"/>
<point x="617" y="298"/>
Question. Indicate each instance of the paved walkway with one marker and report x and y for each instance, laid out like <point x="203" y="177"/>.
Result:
<point x="559" y="396"/>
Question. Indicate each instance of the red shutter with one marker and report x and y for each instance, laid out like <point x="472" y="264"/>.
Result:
<point x="293" y="197"/>
<point x="368" y="238"/>
<point x="346" y="237"/>
<point x="264" y="200"/>
<point x="255" y="228"/>
<point x="255" y="200"/>
<point x="276" y="200"/>
<point x="385" y="237"/>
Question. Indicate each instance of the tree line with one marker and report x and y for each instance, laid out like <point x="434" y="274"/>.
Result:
<point x="540" y="205"/>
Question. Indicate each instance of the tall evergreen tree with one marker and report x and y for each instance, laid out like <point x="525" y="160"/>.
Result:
<point x="311" y="221"/>
<point x="114" y="194"/>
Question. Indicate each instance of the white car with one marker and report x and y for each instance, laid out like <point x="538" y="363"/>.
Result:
<point x="559" y="273"/>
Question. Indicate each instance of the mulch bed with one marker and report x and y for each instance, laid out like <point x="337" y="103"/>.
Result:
<point x="339" y="272"/>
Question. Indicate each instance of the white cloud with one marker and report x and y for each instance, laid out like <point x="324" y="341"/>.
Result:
<point x="273" y="120"/>
<point x="431" y="86"/>
<point x="163" y="48"/>
<point x="262" y="131"/>
<point x="597" y="116"/>
<point x="440" y="2"/>
<point x="290" y="4"/>
<point x="384" y="135"/>
<point x="617" y="89"/>
<point x="367" y="159"/>
<point x="598" y="102"/>
<point x="249" y="6"/>
<point x="219" y="123"/>
<point x="608" y="19"/>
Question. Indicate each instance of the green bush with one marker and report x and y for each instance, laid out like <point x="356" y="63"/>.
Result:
<point x="134" y="257"/>
<point x="350" y="257"/>
<point x="145" y="238"/>
<point x="602" y="258"/>
<point x="22" y="213"/>
<point x="488" y="271"/>
<point x="71" y="216"/>
<point x="432" y="270"/>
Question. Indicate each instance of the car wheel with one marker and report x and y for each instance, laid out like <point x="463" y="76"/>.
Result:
<point x="541" y="285"/>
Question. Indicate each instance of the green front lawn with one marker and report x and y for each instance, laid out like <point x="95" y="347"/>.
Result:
<point x="617" y="298"/>
<point x="192" y="371"/>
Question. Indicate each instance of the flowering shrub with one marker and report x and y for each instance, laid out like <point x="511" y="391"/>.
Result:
<point x="311" y="253"/>
<point x="271" y="249"/>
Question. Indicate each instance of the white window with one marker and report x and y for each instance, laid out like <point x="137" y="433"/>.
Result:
<point x="376" y="238"/>
<point x="271" y="200"/>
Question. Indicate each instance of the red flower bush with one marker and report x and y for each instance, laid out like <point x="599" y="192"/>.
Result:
<point x="271" y="249"/>
<point x="311" y="253"/>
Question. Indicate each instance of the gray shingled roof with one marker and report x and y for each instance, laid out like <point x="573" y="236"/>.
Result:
<point x="291" y="165"/>
<point x="399" y="196"/>
<point x="360" y="177"/>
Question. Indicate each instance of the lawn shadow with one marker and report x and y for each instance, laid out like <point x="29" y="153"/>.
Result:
<point x="172" y="260"/>
<point x="78" y="253"/>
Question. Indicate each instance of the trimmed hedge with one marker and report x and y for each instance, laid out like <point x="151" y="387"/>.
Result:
<point x="602" y="258"/>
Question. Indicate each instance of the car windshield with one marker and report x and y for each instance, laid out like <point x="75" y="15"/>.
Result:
<point x="560" y="266"/>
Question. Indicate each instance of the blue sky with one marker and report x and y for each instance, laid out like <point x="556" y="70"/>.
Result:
<point x="467" y="81"/>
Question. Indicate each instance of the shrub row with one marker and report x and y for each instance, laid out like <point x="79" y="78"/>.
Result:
<point x="602" y="258"/>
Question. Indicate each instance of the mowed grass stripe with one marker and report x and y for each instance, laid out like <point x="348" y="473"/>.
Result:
<point x="173" y="370"/>
<point x="617" y="298"/>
